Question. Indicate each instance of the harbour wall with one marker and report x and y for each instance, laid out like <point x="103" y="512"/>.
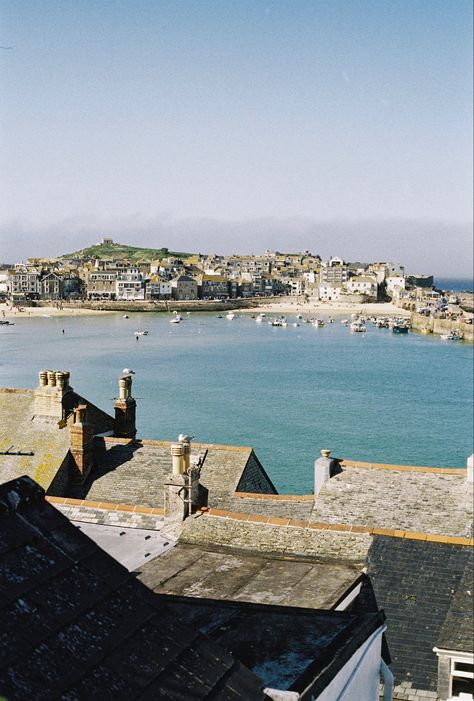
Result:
<point x="438" y="326"/>
<point x="198" y="305"/>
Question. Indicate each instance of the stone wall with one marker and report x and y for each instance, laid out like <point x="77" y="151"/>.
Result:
<point x="270" y="538"/>
<point x="199" y="305"/>
<point x="439" y="326"/>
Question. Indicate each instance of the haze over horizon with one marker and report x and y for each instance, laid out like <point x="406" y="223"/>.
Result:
<point x="343" y="128"/>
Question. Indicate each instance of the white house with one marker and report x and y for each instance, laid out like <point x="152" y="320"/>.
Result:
<point x="395" y="285"/>
<point x="130" y="285"/>
<point x="363" y="285"/>
<point x="328" y="293"/>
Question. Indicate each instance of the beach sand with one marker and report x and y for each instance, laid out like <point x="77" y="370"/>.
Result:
<point x="286" y="306"/>
<point x="330" y="308"/>
<point x="7" y="312"/>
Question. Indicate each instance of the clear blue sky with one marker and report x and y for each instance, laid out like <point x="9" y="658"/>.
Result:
<point x="227" y="125"/>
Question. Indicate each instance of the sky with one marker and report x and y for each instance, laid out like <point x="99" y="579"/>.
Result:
<point x="339" y="126"/>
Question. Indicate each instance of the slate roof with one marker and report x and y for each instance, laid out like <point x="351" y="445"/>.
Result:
<point x="286" y="647"/>
<point x="74" y="624"/>
<point x="20" y="431"/>
<point x="133" y="472"/>
<point x="457" y="632"/>
<point x="415" y="582"/>
<point x="427" y="501"/>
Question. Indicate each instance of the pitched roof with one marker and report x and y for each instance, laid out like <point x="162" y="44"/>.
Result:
<point x="414" y="582"/>
<point x="21" y="432"/>
<point x="389" y="497"/>
<point x="457" y="632"/>
<point x="133" y="471"/>
<point x="75" y="624"/>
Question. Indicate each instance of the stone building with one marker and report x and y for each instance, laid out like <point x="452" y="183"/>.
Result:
<point x="184" y="287"/>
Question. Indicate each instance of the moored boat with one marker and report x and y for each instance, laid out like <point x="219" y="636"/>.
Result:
<point x="453" y="335"/>
<point x="400" y="327"/>
<point x="358" y="326"/>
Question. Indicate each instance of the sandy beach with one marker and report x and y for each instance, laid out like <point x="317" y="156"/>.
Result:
<point x="7" y="312"/>
<point x="286" y="306"/>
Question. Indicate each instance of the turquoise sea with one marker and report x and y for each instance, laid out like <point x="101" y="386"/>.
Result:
<point x="288" y="392"/>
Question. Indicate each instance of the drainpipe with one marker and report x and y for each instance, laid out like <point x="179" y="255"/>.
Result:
<point x="387" y="677"/>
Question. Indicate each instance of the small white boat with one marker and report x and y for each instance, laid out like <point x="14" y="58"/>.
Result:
<point x="259" y="318"/>
<point x="125" y="316"/>
<point x="452" y="336"/>
<point x="295" y="323"/>
<point x="344" y="321"/>
<point x="141" y="333"/>
<point x="357" y="326"/>
<point x="230" y="315"/>
<point x="318" y="323"/>
<point x="175" y="320"/>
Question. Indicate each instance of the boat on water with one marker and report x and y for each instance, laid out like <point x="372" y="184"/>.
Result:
<point x="5" y="322"/>
<point x="357" y="326"/>
<point x="453" y="335"/>
<point x="230" y="315"/>
<point x="344" y="321"/>
<point x="259" y="318"/>
<point x="318" y="323"/>
<point x="219" y="316"/>
<point x="125" y="316"/>
<point x="381" y="323"/>
<point x="400" y="327"/>
<point x="141" y="333"/>
<point x="278" y="322"/>
<point x="330" y="321"/>
<point x="175" y="320"/>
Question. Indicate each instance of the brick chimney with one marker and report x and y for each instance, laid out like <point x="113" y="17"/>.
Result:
<point x="82" y="444"/>
<point x="125" y="410"/>
<point x="50" y="393"/>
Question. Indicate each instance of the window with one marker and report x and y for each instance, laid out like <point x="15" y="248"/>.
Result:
<point x="462" y="677"/>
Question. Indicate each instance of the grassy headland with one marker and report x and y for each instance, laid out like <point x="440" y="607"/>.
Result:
<point x="121" y="251"/>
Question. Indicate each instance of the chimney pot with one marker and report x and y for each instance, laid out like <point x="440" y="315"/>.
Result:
<point x="177" y="455"/>
<point x="325" y="453"/>
<point x="51" y="378"/>
<point x="43" y="378"/>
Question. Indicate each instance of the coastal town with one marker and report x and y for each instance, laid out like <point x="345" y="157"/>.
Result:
<point x="103" y="273"/>
<point x="111" y="276"/>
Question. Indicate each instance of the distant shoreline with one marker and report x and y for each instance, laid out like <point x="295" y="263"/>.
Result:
<point x="284" y="305"/>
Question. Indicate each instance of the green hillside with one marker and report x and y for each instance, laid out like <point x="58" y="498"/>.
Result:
<point x="121" y="251"/>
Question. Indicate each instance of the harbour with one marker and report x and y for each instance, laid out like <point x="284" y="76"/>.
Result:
<point x="287" y="392"/>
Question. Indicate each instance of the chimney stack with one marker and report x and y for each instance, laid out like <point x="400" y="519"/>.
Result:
<point x="82" y="444"/>
<point x="50" y="393"/>
<point x="324" y="469"/>
<point x="125" y="410"/>
<point x="182" y="485"/>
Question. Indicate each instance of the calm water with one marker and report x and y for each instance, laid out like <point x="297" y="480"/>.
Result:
<point x="288" y="392"/>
